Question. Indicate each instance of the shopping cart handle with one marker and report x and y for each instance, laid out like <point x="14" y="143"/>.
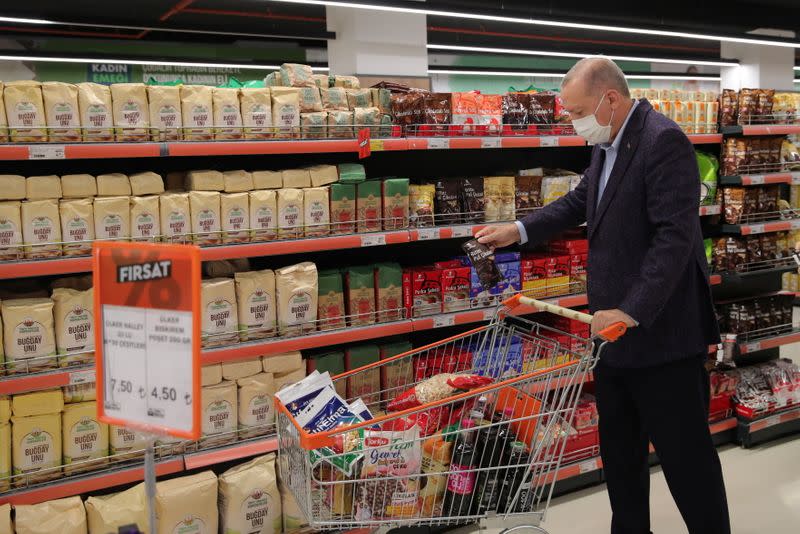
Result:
<point x="613" y="332"/>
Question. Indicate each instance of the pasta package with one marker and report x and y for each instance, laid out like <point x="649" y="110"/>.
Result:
<point x="227" y="114"/>
<point x="131" y="111"/>
<point x="25" y="111"/>
<point x="165" y="111"/>
<point x="61" y="111"/>
<point x="96" y="112"/>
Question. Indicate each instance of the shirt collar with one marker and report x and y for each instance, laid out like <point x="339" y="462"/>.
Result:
<point x="618" y="139"/>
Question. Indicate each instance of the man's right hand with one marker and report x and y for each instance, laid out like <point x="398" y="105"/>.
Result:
<point x="499" y="236"/>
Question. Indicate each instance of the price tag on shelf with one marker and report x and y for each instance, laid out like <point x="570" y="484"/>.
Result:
<point x="462" y="231"/>
<point x="548" y="140"/>
<point x="490" y="142"/>
<point x="373" y="240"/>
<point x="772" y="421"/>
<point x="426" y="234"/>
<point x="588" y="466"/>
<point x="756" y="179"/>
<point x="794" y="224"/>
<point x="81" y="377"/>
<point x="754" y="229"/>
<point x="148" y="336"/>
<point x="488" y="314"/>
<point x="376" y="145"/>
<point x="795" y="177"/>
<point x="46" y="152"/>
<point x="438" y="143"/>
<point x="752" y="347"/>
<point x="441" y="321"/>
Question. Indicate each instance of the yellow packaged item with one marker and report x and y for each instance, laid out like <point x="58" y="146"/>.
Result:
<point x="36" y="446"/>
<point x="41" y="228"/>
<point x="249" y="500"/>
<point x="28" y="333"/>
<point x="14" y="187"/>
<point x="106" y="513"/>
<point x="211" y="375"/>
<point x="235" y="210"/>
<point x="146" y="183"/>
<point x="73" y="311"/>
<point x="187" y="505"/>
<point x="85" y="439"/>
<point x="114" y="184"/>
<point x="128" y="442"/>
<point x="237" y="370"/>
<point x="64" y="516"/>
<point x="283" y="363"/>
<point x="256" y="405"/>
<point x="78" y="186"/>
<point x="220" y="414"/>
<point x="267" y="179"/>
<point x="37" y="403"/>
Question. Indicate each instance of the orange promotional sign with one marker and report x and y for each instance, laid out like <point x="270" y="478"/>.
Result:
<point x="147" y="338"/>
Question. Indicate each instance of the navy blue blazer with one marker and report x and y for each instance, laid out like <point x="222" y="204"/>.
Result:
<point x="646" y="253"/>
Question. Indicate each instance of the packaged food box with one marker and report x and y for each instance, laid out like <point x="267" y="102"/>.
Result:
<point x="331" y="308"/>
<point x="333" y="363"/>
<point x="388" y="292"/>
<point x="364" y="384"/>
<point x="455" y="289"/>
<point x="558" y="275"/>
<point x="577" y="271"/>
<point x="361" y="295"/>
<point x="426" y="291"/>
<point x="395" y="376"/>
<point x="533" y="272"/>
<point x="478" y="296"/>
<point x="511" y="283"/>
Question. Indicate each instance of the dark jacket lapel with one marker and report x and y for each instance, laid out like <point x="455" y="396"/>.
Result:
<point x="627" y="149"/>
<point x="593" y="175"/>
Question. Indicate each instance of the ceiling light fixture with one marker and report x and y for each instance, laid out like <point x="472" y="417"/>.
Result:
<point x="18" y="20"/>
<point x="147" y="62"/>
<point x="542" y="22"/>
<point x="515" y="51"/>
<point x="654" y="76"/>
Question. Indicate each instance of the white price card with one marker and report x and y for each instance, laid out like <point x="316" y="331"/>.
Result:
<point x="548" y="140"/>
<point x="462" y="231"/>
<point x="81" y="377"/>
<point x="755" y="179"/>
<point x="441" y="321"/>
<point x="772" y="421"/>
<point x="755" y="229"/>
<point x="794" y="224"/>
<point x="490" y="142"/>
<point x="46" y="152"/>
<point x="373" y="240"/>
<point x="795" y="178"/>
<point x="588" y="466"/>
<point x="488" y="314"/>
<point x="438" y="143"/>
<point x="752" y="347"/>
<point x="426" y="234"/>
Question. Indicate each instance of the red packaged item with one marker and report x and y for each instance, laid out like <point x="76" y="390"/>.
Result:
<point x="408" y="291"/>
<point x="570" y="246"/>
<point x="437" y="388"/>
<point x="455" y="289"/>
<point x="491" y="114"/>
<point x="448" y="264"/>
<point x="466" y="112"/>
<point x="427" y="291"/>
<point x="558" y="276"/>
<point x="533" y="273"/>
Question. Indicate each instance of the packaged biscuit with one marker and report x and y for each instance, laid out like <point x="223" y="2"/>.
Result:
<point x="80" y="392"/>
<point x="227" y="115"/>
<point x="330" y="300"/>
<point x="107" y="513"/>
<point x="196" y="109"/>
<point x="113" y="185"/>
<point x="286" y="111"/>
<point x="267" y="179"/>
<point x="316" y="212"/>
<point x="65" y="516"/>
<point x="290" y="213"/>
<point x="112" y="218"/>
<point x="145" y="218"/>
<point x="340" y="124"/>
<point x="343" y="208"/>
<point x="187" y="504"/>
<point x="388" y="292"/>
<point x="334" y="99"/>
<point x="256" y="406"/>
<point x="126" y="441"/>
<point x="131" y="111"/>
<point x="279" y="364"/>
<point x="310" y="99"/>
<point x="165" y="112"/>
<point x="36" y="446"/>
<point x="175" y="217"/>
<point x="78" y="186"/>
<point x="368" y="206"/>
<point x="297" y="75"/>
<point x="28" y="332"/>
<point x="25" y="111"/>
<point x="360" y="300"/>
<point x="94" y="104"/>
<point x="249" y="500"/>
<point x="61" y="111"/>
<point x="237" y="181"/>
<point x="235" y="217"/>
<point x="205" y="180"/>
<point x="218" y="301"/>
<point x="42" y="187"/>
<point x="146" y="183"/>
<point x="10" y="231"/>
<point x="220" y="414"/>
<point x="73" y="311"/>
<point x="13" y="187"/>
<point x="420" y="205"/>
<point x="256" y="108"/>
<point x="296" y="294"/>
<point x="314" y="125"/>
<point x="206" y="220"/>
<point x="255" y="297"/>
<point x="296" y="178"/>
<point x="85" y="439"/>
<point x="242" y="369"/>
<point x="323" y="175"/>
<point x="263" y="215"/>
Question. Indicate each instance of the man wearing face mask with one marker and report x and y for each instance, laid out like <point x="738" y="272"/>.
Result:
<point x="647" y="268"/>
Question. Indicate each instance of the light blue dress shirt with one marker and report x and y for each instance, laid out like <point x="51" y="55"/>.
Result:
<point x="611" y="150"/>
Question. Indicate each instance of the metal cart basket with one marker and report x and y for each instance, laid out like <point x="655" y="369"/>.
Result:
<point x="486" y="453"/>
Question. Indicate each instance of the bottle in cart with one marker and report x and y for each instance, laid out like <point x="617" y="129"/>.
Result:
<point x="460" y="490"/>
<point x="495" y="447"/>
<point x="514" y="476"/>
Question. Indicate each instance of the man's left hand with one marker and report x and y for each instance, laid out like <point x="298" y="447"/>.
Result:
<point x="605" y="318"/>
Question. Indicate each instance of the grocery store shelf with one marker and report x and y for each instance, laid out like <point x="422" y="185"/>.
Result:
<point x="772" y="420"/>
<point x="769" y="342"/>
<point x="28" y="268"/>
<point x="20" y="383"/>
<point x="761" y="228"/>
<point x="704" y="139"/>
<point x="761" y="179"/>
<point x="762" y="129"/>
<point x="444" y="143"/>
<point x="81" y="151"/>
<point x="238" y="451"/>
<point x="243" y="148"/>
<point x="710" y="210"/>
<point x="758" y="270"/>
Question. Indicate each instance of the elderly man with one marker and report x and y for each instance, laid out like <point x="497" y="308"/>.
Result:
<point x="647" y="268"/>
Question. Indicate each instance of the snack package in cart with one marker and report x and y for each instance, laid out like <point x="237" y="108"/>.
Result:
<point x="436" y="388"/>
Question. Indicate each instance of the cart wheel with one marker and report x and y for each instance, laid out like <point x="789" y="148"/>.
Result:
<point x="521" y="527"/>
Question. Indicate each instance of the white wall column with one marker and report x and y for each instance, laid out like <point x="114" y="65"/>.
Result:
<point x="760" y="66"/>
<point x="377" y="42"/>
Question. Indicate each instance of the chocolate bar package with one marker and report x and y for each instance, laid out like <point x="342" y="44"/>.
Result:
<point x="542" y="108"/>
<point x="436" y="115"/>
<point x="446" y="202"/>
<point x="482" y="259"/>
<point x="472" y="199"/>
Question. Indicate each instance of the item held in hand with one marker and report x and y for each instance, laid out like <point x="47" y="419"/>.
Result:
<point x="482" y="259"/>
<point x="437" y="388"/>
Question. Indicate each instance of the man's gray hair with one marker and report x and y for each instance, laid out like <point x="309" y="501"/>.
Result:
<point x="599" y="74"/>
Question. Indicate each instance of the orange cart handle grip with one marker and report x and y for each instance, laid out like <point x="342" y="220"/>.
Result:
<point x="613" y="332"/>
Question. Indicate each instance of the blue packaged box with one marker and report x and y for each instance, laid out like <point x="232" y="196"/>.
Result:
<point x="512" y="280"/>
<point x="505" y="257"/>
<point x="479" y="297"/>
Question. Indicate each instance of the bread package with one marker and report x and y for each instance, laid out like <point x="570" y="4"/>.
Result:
<point x="126" y="441"/>
<point x="10" y="231"/>
<point x="205" y="208"/>
<point x="205" y="180"/>
<point x="97" y="120"/>
<point x="114" y="184"/>
<point x="220" y="414"/>
<point x="165" y="112"/>
<point x="187" y="504"/>
<point x="175" y="217"/>
<point x="77" y="226"/>
<point x="131" y="112"/>
<point x="85" y="439"/>
<point x="316" y="212"/>
<point x="297" y="178"/>
<point x="61" y="111"/>
<point x="65" y="516"/>
<point x="28" y="332"/>
<point x="249" y="500"/>
<point x="255" y="297"/>
<point x="256" y="106"/>
<point x="227" y="115"/>
<point x="237" y="181"/>
<point x="105" y="514"/>
<point x="43" y="187"/>
<point x="78" y="186"/>
<point x="36" y="446"/>
<point x="146" y="183"/>
<point x="235" y="217"/>
<point x="112" y="218"/>
<point x="196" y="110"/>
<point x="41" y="228"/>
<point x="286" y="111"/>
<point x="267" y="179"/>
<point x="218" y="301"/>
<point x="145" y="219"/>
<point x="25" y="111"/>
<point x="296" y="295"/>
<point x="263" y="215"/>
<point x="73" y="312"/>
<point x="13" y="187"/>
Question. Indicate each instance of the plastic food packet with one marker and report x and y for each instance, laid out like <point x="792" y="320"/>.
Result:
<point x="437" y="388"/>
<point x="299" y="395"/>
<point x="482" y="259"/>
<point x="421" y="204"/>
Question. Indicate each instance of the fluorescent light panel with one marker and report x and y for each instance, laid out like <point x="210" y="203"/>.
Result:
<point x="561" y="75"/>
<point x="146" y="62"/>
<point x="541" y="22"/>
<point x="515" y="51"/>
<point x="17" y="20"/>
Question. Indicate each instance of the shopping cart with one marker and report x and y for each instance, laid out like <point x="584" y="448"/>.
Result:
<point x="489" y="454"/>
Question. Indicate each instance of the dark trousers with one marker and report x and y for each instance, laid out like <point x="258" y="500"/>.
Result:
<point x="668" y="406"/>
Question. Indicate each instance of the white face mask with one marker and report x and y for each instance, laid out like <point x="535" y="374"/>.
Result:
<point x="591" y="130"/>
